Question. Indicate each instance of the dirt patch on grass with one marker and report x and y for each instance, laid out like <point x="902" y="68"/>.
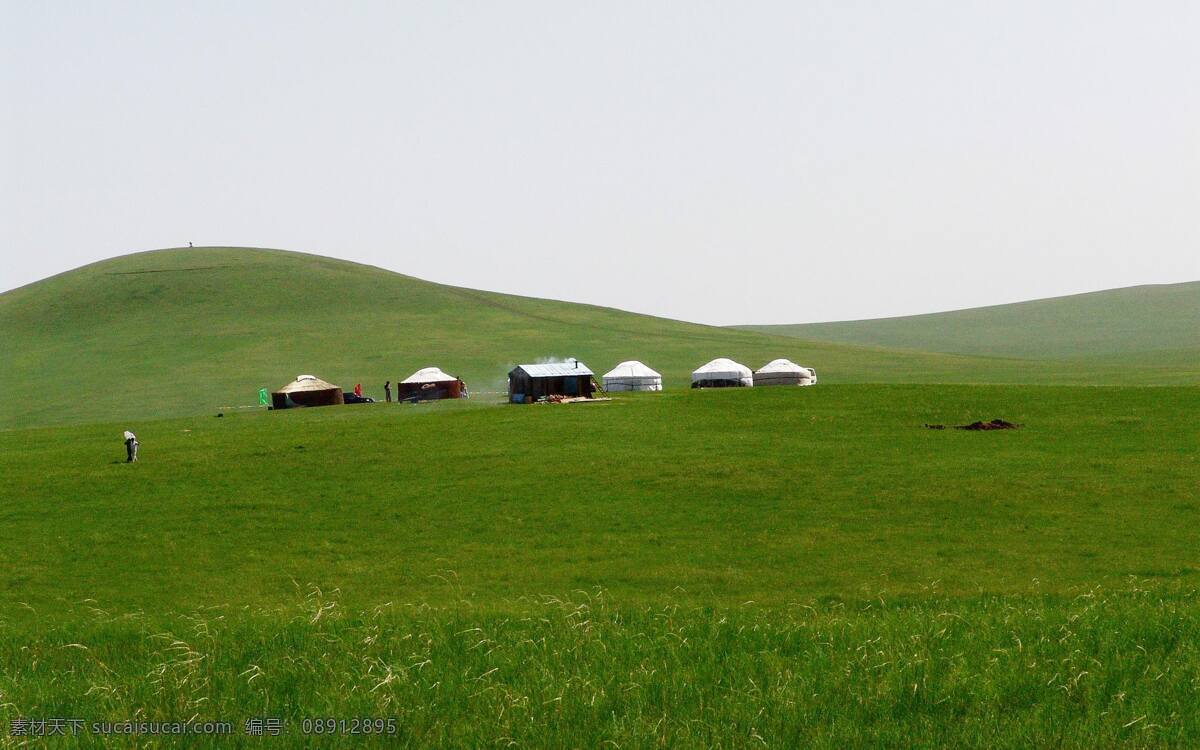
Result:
<point x="995" y="424"/>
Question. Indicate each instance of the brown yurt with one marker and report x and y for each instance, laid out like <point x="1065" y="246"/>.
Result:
<point x="429" y="384"/>
<point x="306" y="390"/>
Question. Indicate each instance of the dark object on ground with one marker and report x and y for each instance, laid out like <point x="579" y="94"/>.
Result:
<point x="220" y="414"/>
<point x="995" y="424"/>
<point x="935" y="426"/>
<point x="353" y="398"/>
<point x="718" y="383"/>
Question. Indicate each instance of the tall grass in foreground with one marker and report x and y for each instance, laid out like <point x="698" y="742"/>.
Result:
<point x="1098" y="669"/>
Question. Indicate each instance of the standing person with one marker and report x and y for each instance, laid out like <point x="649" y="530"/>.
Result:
<point x="387" y="391"/>
<point x="131" y="446"/>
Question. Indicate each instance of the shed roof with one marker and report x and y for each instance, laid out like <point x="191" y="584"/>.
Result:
<point x="555" y="369"/>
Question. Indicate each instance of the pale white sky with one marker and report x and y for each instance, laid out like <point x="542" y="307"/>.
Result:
<point x="742" y="162"/>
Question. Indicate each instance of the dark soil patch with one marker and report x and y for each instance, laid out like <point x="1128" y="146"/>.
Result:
<point x="995" y="424"/>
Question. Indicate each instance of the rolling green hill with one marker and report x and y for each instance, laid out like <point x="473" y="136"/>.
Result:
<point x="1155" y="325"/>
<point x="189" y="331"/>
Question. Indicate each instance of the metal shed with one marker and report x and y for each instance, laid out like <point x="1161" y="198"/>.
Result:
<point x="528" y="383"/>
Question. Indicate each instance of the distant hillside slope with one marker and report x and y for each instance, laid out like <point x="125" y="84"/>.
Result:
<point x="1152" y="324"/>
<point x="186" y="331"/>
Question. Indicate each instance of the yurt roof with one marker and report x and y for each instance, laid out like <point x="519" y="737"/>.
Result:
<point x="556" y="369"/>
<point x="632" y="369"/>
<point x="306" y="383"/>
<point x="782" y="365"/>
<point x="722" y="366"/>
<point x="429" y="375"/>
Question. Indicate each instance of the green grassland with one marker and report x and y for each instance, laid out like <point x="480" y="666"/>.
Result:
<point x="1095" y="669"/>
<point x="783" y="567"/>
<point x="755" y="494"/>
<point x="739" y="567"/>
<point x="188" y="331"/>
<point x="1142" y="325"/>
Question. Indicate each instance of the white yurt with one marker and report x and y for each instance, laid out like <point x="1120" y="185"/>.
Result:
<point x="632" y="376"/>
<point x="429" y="375"/>
<point x="723" y="373"/>
<point x="783" y="372"/>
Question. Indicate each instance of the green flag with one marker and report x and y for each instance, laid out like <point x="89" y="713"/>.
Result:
<point x="262" y="396"/>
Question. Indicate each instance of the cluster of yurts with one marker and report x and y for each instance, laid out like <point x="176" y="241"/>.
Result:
<point x="534" y="382"/>
<point x="719" y="373"/>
